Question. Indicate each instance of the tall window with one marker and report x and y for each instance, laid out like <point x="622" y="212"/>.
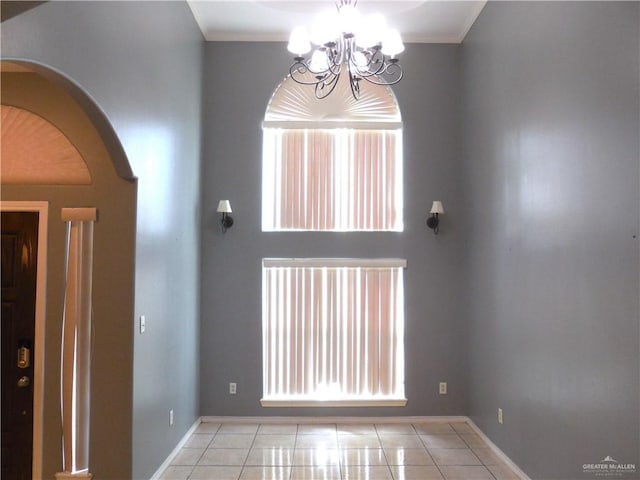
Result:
<point x="332" y="329"/>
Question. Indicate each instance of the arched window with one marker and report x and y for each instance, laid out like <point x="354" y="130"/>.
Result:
<point x="333" y="164"/>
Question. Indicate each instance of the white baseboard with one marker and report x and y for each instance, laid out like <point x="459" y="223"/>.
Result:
<point x="175" y="451"/>
<point x="346" y="420"/>
<point x="499" y="453"/>
<point x="323" y="420"/>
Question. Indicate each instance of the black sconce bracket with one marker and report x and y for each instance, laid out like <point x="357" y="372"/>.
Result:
<point x="226" y="221"/>
<point x="433" y="223"/>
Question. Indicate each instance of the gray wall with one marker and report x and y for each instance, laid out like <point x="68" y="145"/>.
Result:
<point x="141" y="62"/>
<point x="239" y="79"/>
<point x="528" y="298"/>
<point x="550" y="124"/>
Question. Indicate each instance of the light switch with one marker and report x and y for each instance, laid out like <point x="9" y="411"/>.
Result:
<point x="143" y="323"/>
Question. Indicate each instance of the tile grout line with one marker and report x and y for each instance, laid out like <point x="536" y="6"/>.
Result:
<point x="434" y="460"/>
<point x="378" y="432"/>
<point x="340" y="469"/>
<point x="244" y="463"/>
<point x="293" y="453"/>
<point x="476" y="455"/>
<point x="384" y="453"/>
<point x="343" y="464"/>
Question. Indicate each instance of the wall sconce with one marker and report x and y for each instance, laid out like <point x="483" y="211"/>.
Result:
<point x="433" y="221"/>
<point x="224" y="207"/>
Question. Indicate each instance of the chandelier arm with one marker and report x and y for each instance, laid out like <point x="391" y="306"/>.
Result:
<point x="299" y="69"/>
<point x="377" y="58"/>
<point x="368" y="73"/>
<point x="393" y="69"/>
<point x="355" y="87"/>
<point x="389" y="67"/>
<point x="381" y="68"/>
<point x="334" y="67"/>
<point x="341" y="50"/>
<point x="321" y="85"/>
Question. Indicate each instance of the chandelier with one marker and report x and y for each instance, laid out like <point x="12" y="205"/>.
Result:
<point x="343" y="41"/>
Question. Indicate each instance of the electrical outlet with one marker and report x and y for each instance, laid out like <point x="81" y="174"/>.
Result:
<point x="171" y="417"/>
<point x="143" y="323"/>
<point x="443" y="388"/>
<point x="500" y="418"/>
<point x="232" y="388"/>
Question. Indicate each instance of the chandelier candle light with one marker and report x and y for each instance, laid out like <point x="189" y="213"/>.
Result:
<point x="344" y="41"/>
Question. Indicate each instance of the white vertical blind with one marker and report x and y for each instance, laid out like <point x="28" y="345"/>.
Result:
<point x="76" y="340"/>
<point x="333" y="330"/>
<point x="332" y="180"/>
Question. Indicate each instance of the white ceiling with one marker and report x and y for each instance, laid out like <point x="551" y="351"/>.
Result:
<point x="431" y="21"/>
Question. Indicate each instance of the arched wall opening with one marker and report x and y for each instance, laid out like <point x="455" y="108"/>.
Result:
<point x="37" y="92"/>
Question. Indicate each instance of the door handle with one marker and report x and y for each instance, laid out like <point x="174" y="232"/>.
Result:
<point x="24" y="354"/>
<point x="24" y="382"/>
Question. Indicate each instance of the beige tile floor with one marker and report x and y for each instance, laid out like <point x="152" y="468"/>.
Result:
<point x="421" y="451"/>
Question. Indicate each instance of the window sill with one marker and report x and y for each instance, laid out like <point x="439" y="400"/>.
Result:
<point x="360" y="402"/>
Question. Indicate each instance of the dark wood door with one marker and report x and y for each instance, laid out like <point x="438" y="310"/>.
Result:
<point x="19" y="262"/>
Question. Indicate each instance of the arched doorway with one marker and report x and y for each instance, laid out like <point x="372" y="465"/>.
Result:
<point x="61" y="152"/>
